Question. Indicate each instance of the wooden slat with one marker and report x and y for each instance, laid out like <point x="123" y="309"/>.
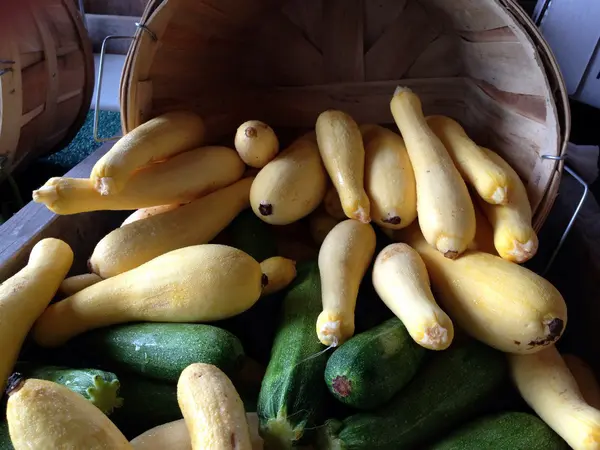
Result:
<point x="366" y="102"/>
<point x="380" y="14"/>
<point x="35" y="222"/>
<point x="343" y="41"/>
<point x="503" y="34"/>
<point x="308" y="17"/>
<point x="48" y="117"/>
<point x="439" y="59"/>
<point x="280" y="55"/>
<point x="402" y="43"/>
<point x="11" y="105"/>
<point x="469" y="15"/>
<point x="505" y="65"/>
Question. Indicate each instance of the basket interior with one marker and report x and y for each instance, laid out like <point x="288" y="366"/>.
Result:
<point x="285" y="62"/>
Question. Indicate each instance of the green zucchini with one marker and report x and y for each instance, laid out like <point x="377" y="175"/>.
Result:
<point x="146" y="403"/>
<point x="162" y="350"/>
<point x="506" y="431"/>
<point x="292" y="392"/>
<point x="98" y="386"/>
<point x="453" y="386"/>
<point x="253" y="236"/>
<point x="5" y="442"/>
<point x="370" y="368"/>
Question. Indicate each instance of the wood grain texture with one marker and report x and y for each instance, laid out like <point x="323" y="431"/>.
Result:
<point x="53" y="64"/>
<point x="401" y="44"/>
<point x="99" y="26"/>
<point x="343" y="52"/>
<point x="35" y="222"/>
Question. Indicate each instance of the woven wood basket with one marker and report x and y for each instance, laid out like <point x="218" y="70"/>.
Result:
<point x="482" y="62"/>
<point x="46" y="80"/>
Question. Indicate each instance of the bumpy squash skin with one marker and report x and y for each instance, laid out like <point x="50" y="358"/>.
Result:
<point x="144" y="213"/>
<point x="292" y="392"/>
<point x="178" y="180"/>
<point x="548" y="387"/>
<point x="511" y="430"/>
<point x="197" y="222"/>
<point x="454" y="386"/>
<point x="24" y="296"/>
<point x="389" y="179"/>
<point x="162" y="350"/>
<point x="193" y="284"/>
<point x="446" y="212"/>
<point x="175" y="436"/>
<point x="489" y="179"/>
<point x="402" y="282"/>
<point x="370" y="368"/>
<point x="158" y="139"/>
<point x="291" y="186"/>
<point x="256" y="143"/>
<point x="43" y="414"/>
<point x="212" y="409"/>
<point x="344" y="259"/>
<point x="500" y="303"/>
<point x="514" y="236"/>
<point x="343" y="153"/>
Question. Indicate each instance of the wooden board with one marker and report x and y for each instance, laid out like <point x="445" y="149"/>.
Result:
<point x="35" y="222"/>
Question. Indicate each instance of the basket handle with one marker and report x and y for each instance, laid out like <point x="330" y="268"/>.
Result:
<point x="100" y="76"/>
<point x="567" y="230"/>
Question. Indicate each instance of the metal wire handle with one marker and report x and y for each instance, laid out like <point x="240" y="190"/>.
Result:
<point x="567" y="230"/>
<point x="100" y="76"/>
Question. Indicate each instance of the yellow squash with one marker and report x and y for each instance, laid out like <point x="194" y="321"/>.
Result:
<point x="201" y="283"/>
<point x="514" y="236"/>
<point x="144" y="213"/>
<point x="78" y="283"/>
<point x="343" y="153"/>
<point x="197" y="222"/>
<point x="548" y="387"/>
<point x="389" y="179"/>
<point x="291" y="186"/>
<point x="343" y="260"/>
<point x="256" y="143"/>
<point x="178" y="180"/>
<point x="585" y="378"/>
<point x="401" y="281"/>
<point x="46" y="415"/>
<point x="175" y="436"/>
<point x="24" y="296"/>
<point x="212" y="409"/>
<point x="500" y="303"/>
<point x="446" y="212"/>
<point x="280" y="273"/>
<point x="490" y="180"/>
<point x="158" y="139"/>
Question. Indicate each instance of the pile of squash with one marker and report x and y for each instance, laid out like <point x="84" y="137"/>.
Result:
<point x="434" y="224"/>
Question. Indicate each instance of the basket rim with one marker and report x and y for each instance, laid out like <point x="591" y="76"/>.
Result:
<point x="555" y="89"/>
